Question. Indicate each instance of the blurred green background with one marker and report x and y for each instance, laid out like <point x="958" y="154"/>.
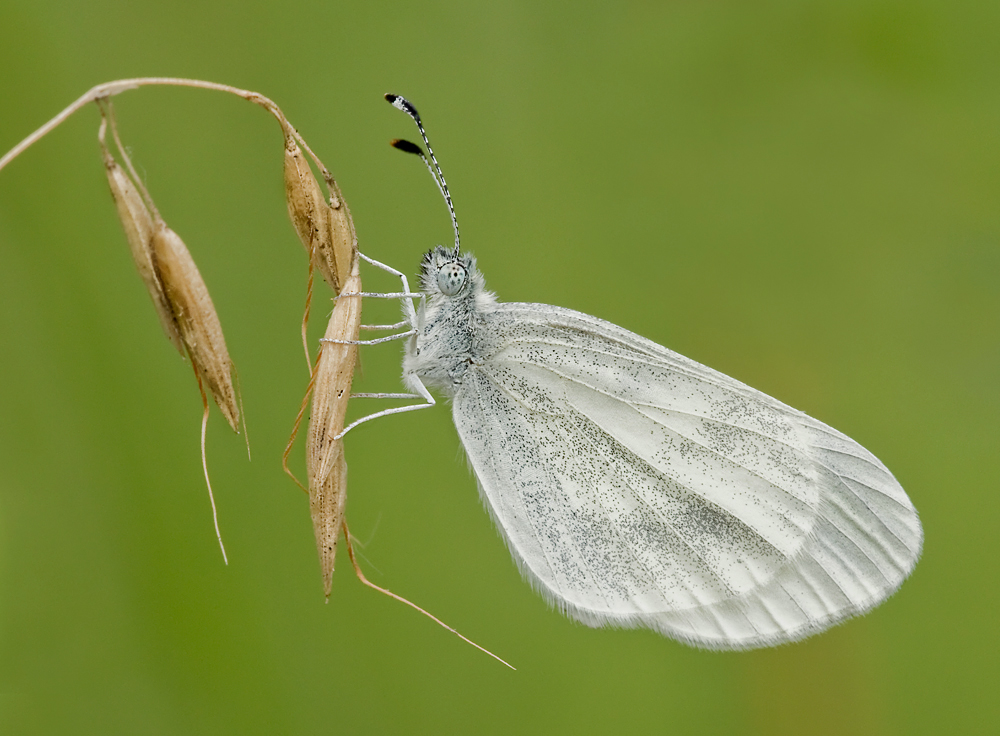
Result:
<point x="804" y="195"/>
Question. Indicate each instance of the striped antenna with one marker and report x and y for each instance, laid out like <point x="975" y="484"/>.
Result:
<point x="401" y="103"/>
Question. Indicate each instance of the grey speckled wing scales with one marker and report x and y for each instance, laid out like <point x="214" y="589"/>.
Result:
<point x="636" y="487"/>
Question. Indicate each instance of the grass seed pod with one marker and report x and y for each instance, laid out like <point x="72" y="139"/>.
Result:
<point x="342" y="236"/>
<point x="327" y="500"/>
<point x="310" y="214"/>
<point x="325" y="464"/>
<point x="196" y="318"/>
<point x="138" y="226"/>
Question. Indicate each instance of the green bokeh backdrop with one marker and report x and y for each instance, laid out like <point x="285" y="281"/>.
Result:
<point x="804" y="195"/>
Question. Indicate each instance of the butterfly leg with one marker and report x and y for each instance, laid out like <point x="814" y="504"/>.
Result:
<point x="414" y="382"/>
<point x="396" y="326"/>
<point x="410" y="320"/>
<point x="377" y="341"/>
<point x="429" y="402"/>
<point x="408" y="311"/>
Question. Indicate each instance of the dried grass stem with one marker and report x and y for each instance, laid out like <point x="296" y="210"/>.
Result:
<point x="111" y="89"/>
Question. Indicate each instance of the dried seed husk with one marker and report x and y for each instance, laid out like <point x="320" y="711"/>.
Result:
<point x="310" y="214"/>
<point x="138" y="226"/>
<point x="325" y="463"/>
<point x="196" y="318"/>
<point x="342" y="235"/>
<point x="326" y="506"/>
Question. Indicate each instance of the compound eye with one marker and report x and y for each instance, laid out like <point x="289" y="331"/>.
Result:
<point x="451" y="278"/>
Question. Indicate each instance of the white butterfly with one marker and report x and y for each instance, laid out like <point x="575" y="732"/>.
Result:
<point x="636" y="487"/>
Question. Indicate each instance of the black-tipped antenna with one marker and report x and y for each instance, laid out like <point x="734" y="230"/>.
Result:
<point x="401" y="103"/>
<point x="409" y="147"/>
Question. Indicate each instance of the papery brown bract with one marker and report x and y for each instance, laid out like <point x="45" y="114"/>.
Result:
<point x="342" y="236"/>
<point x="196" y="318"/>
<point x="310" y="215"/>
<point x="138" y="226"/>
<point x="325" y="463"/>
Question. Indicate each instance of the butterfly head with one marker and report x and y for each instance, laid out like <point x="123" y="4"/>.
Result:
<point x="450" y="273"/>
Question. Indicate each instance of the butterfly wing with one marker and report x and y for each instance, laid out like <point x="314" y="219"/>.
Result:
<point x="636" y="487"/>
